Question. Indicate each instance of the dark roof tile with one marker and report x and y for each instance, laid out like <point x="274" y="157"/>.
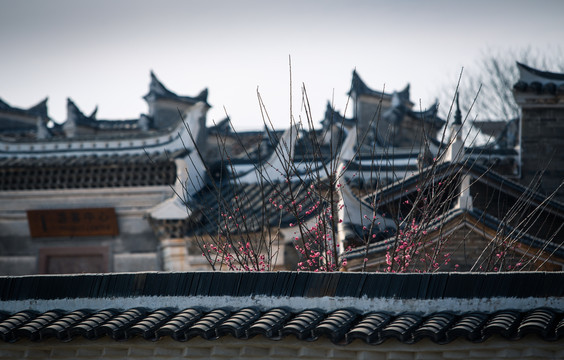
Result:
<point x="237" y="324"/>
<point x="148" y="325"/>
<point x="504" y="323"/>
<point x="90" y="327"/>
<point x="117" y="326"/>
<point x="368" y="329"/>
<point x="336" y="325"/>
<point x="401" y="327"/>
<point x="468" y="325"/>
<point x="207" y="325"/>
<point x="32" y="328"/>
<point x="178" y="326"/>
<point x="538" y="321"/>
<point x="11" y="323"/>
<point x="559" y="329"/>
<point x="435" y="327"/>
<point x="60" y="327"/>
<point x="303" y="324"/>
<point x="270" y="324"/>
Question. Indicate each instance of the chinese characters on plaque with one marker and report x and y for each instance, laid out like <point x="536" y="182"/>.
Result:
<point x="72" y="222"/>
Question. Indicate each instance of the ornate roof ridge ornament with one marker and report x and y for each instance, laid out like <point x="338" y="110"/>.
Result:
<point x="457" y="113"/>
<point x="158" y="90"/>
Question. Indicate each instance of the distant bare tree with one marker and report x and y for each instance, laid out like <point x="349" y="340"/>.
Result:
<point x="493" y="76"/>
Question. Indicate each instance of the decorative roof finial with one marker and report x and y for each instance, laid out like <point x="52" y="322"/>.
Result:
<point x="457" y="114"/>
<point x="455" y="150"/>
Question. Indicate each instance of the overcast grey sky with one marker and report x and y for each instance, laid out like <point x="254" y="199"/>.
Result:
<point x="101" y="52"/>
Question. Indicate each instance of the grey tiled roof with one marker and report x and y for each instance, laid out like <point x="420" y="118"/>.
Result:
<point x="429" y="115"/>
<point x="341" y="325"/>
<point x="482" y="174"/>
<point x="249" y="205"/>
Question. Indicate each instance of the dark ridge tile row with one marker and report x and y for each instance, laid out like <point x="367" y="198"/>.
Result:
<point x="285" y="284"/>
<point x="341" y="326"/>
<point x="86" y="172"/>
<point x="537" y="87"/>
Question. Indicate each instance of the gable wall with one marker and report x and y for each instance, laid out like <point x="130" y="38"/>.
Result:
<point x="463" y="242"/>
<point x="542" y="139"/>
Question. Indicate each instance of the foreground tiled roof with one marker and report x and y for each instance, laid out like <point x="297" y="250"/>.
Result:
<point x="341" y="326"/>
<point x="370" y="307"/>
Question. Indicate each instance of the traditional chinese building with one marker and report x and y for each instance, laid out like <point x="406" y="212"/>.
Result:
<point x="97" y="195"/>
<point x="466" y="212"/>
<point x="78" y="196"/>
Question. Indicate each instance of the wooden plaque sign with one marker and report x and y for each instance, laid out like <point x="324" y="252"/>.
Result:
<point x="72" y="222"/>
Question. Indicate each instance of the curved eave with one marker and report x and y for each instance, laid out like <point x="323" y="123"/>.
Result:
<point x="334" y="117"/>
<point x="529" y="75"/>
<point x="183" y="99"/>
<point x="359" y="87"/>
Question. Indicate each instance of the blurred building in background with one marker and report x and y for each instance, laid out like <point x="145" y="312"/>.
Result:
<point x="97" y="195"/>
